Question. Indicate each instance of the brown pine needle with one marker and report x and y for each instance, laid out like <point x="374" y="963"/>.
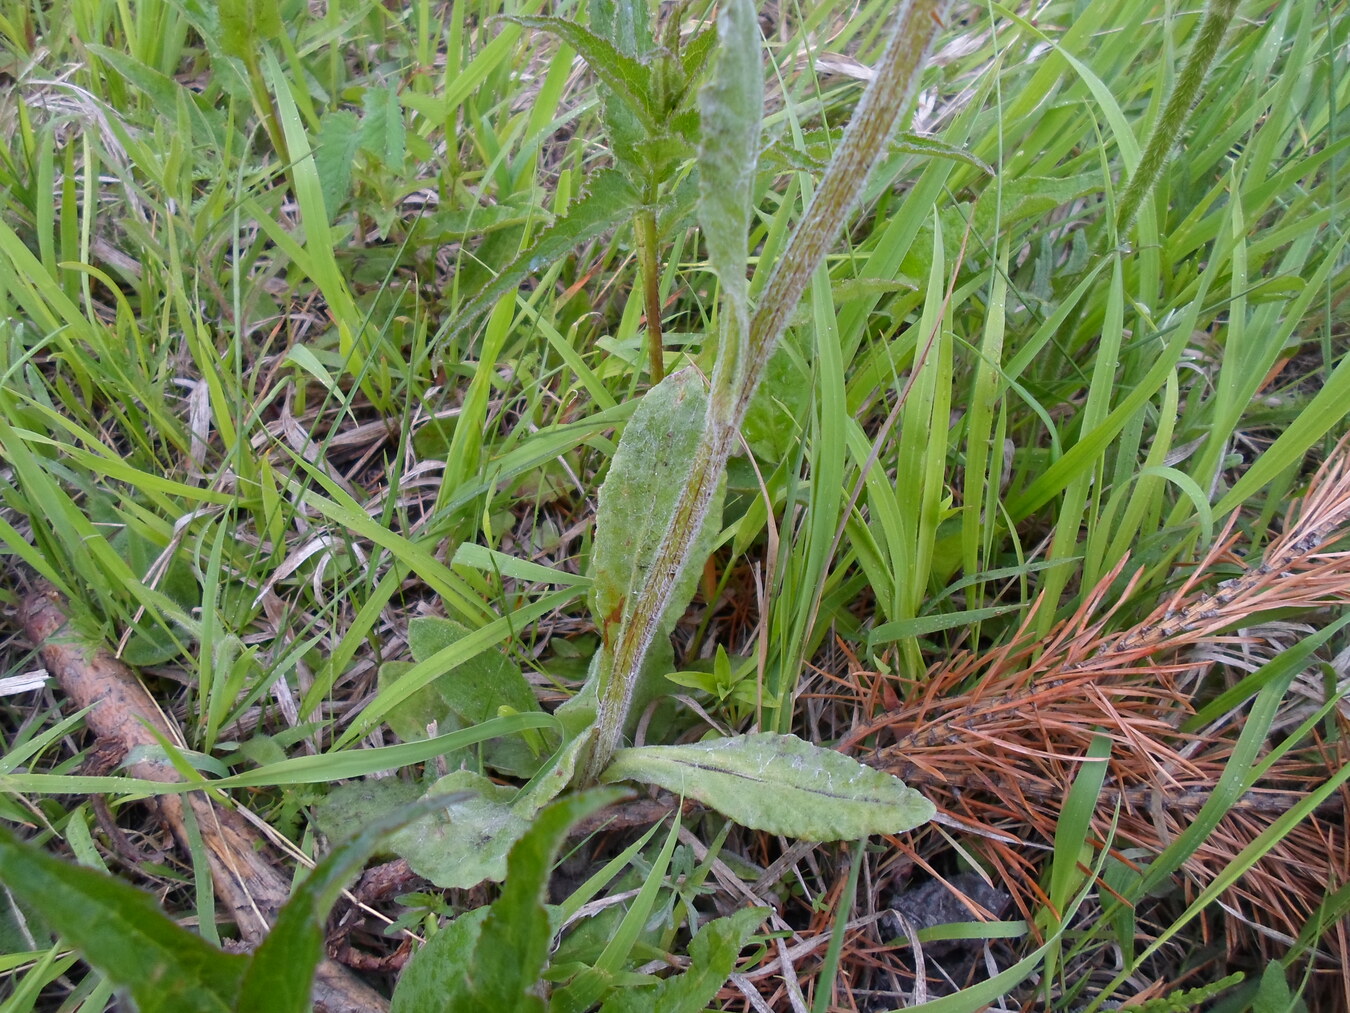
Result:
<point x="995" y="738"/>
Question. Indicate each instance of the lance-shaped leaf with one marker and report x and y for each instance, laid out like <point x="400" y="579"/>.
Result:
<point x="780" y="784"/>
<point x="120" y="931"/>
<point x="637" y="503"/>
<point x="712" y="957"/>
<point x="731" y="107"/>
<point x="282" y="969"/>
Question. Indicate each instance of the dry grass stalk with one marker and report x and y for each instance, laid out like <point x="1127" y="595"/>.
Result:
<point x="995" y="738"/>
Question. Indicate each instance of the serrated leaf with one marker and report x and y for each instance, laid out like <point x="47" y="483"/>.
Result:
<point x="119" y="930"/>
<point x="335" y="149"/>
<point x="247" y="24"/>
<point x="712" y="957"/>
<point x="627" y="78"/>
<point x="282" y="969"/>
<point x="625" y="23"/>
<point x="777" y="416"/>
<point x="455" y="226"/>
<point x="780" y="784"/>
<point x="637" y="500"/>
<point x="609" y="200"/>
<point x="382" y="131"/>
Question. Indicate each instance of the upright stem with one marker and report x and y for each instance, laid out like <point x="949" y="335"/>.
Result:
<point x="887" y="97"/>
<point x="645" y="227"/>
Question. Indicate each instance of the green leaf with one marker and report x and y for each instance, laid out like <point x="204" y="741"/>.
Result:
<point x="477" y="690"/>
<point x="1272" y="993"/>
<point x="910" y="143"/>
<point x="625" y="23"/>
<point x="517" y="932"/>
<point x="246" y="24"/>
<point x="628" y="79"/>
<point x="924" y="625"/>
<point x="119" y="930"/>
<point x="335" y="149"/>
<point x="466" y="842"/>
<point x="382" y="131"/>
<point x="731" y="106"/>
<point x="712" y="956"/>
<point x="780" y="784"/>
<point x="441" y="967"/>
<point x="493" y="962"/>
<point x="649" y="469"/>
<point x="609" y="200"/>
<point x="282" y="969"/>
<point x="359" y="802"/>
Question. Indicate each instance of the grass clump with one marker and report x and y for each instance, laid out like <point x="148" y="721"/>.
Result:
<point x="438" y="403"/>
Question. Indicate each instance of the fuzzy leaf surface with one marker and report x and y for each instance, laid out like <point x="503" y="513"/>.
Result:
<point x="780" y="784"/>
<point x="493" y="961"/>
<point x="637" y="501"/>
<point x="731" y="107"/>
<point x="466" y="842"/>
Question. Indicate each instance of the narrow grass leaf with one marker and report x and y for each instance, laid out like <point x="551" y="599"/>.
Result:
<point x="780" y="784"/>
<point x="608" y="201"/>
<point x="924" y="625"/>
<point x="712" y="957"/>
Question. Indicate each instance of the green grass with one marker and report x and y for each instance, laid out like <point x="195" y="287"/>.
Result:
<point x="261" y="405"/>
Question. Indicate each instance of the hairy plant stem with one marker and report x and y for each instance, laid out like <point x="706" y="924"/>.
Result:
<point x="734" y="381"/>
<point x="645" y="229"/>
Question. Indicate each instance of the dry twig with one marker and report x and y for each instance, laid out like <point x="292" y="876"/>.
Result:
<point x="247" y="878"/>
